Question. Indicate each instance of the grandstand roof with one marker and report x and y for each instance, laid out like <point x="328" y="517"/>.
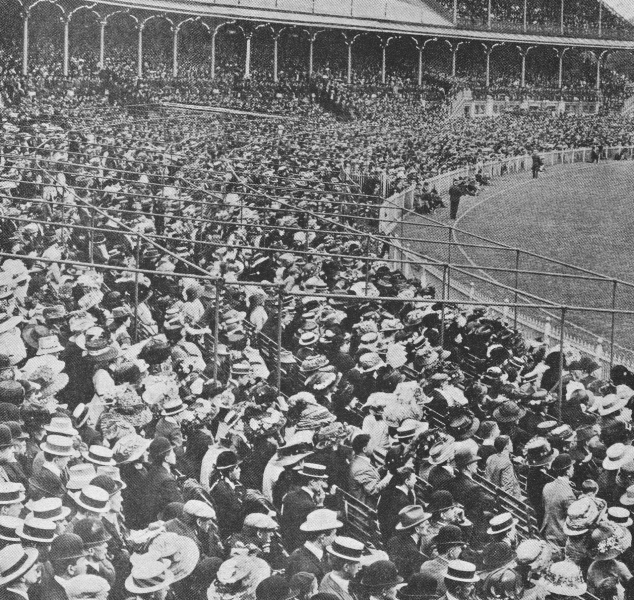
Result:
<point x="407" y="17"/>
<point x="625" y="8"/>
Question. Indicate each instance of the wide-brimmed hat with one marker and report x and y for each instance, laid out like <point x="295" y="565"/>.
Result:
<point x="130" y="448"/>
<point x="59" y="445"/>
<point x="582" y="515"/>
<point x="92" y="498"/>
<point x="321" y="519"/>
<point x="536" y="553"/>
<point x="380" y="574"/>
<point x="80" y="476"/>
<point x="463" y="426"/>
<point x="448" y="536"/>
<point x="508" y="412"/>
<point x="410" y="516"/>
<point x="61" y="425"/>
<point x="609" y="540"/>
<point x="619" y="515"/>
<point x="173" y="406"/>
<point x="7" y="322"/>
<point x="441" y="452"/>
<point x="627" y="499"/>
<point x="11" y="492"/>
<point x="461" y="570"/>
<point x="564" y="578"/>
<point x="501" y="523"/>
<point x="539" y="452"/>
<point x="369" y="362"/>
<point x="612" y="403"/>
<point x="182" y="552"/>
<point x="8" y="528"/>
<point x="347" y="548"/>
<point x="50" y="509"/>
<point x="148" y="575"/>
<point x="15" y="561"/>
<point x="30" y="334"/>
<point x="616" y="456"/>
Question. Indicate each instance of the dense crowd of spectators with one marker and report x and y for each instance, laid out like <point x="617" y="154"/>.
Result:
<point x="204" y="349"/>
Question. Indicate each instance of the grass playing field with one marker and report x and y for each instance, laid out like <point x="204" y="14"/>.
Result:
<point x="580" y="214"/>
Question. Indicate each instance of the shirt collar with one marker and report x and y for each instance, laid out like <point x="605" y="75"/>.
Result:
<point x="18" y="592"/>
<point x="53" y="468"/>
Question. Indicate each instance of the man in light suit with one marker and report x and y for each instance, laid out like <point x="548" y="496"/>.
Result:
<point x="499" y="468"/>
<point x="365" y="482"/>
<point x="557" y="496"/>
<point x="320" y="529"/>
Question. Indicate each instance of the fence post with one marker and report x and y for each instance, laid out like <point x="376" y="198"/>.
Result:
<point x="216" y="319"/>
<point x="442" y="327"/>
<point x="444" y="282"/>
<point x="613" y="323"/>
<point x="278" y="350"/>
<point x="448" y="281"/>
<point x="505" y="311"/>
<point x="517" y="277"/>
<point x="598" y="350"/>
<point x="547" y="329"/>
<point x="136" y="287"/>
<point x="91" y="235"/>
<point x="471" y="291"/>
<point x="562" y="325"/>
<point x="450" y="237"/>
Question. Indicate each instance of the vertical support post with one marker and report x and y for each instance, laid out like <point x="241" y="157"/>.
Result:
<point x="598" y="85"/>
<point x="449" y="243"/>
<point x="455" y="12"/>
<point x="247" y="58"/>
<point x="275" y="51"/>
<point x="136" y="288"/>
<point x="448" y="282"/>
<point x="562" y="328"/>
<point x="562" y="17"/>
<point x="561" y="68"/>
<point x="139" y="66"/>
<point x="442" y="326"/>
<point x="25" y="44"/>
<point x="444" y="281"/>
<point x="454" y="53"/>
<point x="488" y="67"/>
<point x="383" y="49"/>
<point x="600" y="18"/>
<point x="349" y="62"/>
<point x="523" y="79"/>
<point x="516" y="286"/>
<point x="66" y="42"/>
<point x="213" y="54"/>
<point x="278" y="350"/>
<point x="489" y="14"/>
<point x="102" y="43"/>
<point x="91" y="235"/>
<point x="367" y="263"/>
<point x="420" y="66"/>
<point x="175" y="53"/>
<point x="525" y="16"/>
<point x="613" y="323"/>
<point x="311" y="50"/>
<point x="218" y="283"/>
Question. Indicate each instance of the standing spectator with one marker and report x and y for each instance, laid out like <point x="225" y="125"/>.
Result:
<point x="366" y="482"/>
<point x="557" y="497"/>
<point x="499" y="468"/>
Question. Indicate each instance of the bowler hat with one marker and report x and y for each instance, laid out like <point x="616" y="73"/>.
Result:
<point x="561" y="463"/>
<point x="91" y="531"/>
<point x="440" y="501"/>
<point x="226" y="460"/>
<point x="66" y="546"/>
<point x="380" y="574"/>
<point x="275" y="587"/>
<point x="448" y="536"/>
<point x="159" y="447"/>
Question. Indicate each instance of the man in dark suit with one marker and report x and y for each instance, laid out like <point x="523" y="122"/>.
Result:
<point x="537" y="165"/>
<point x="67" y="559"/>
<point x="161" y="486"/>
<point x="50" y="479"/>
<point x="460" y="580"/>
<point x="320" y="529"/>
<point x="227" y="494"/>
<point x="478" y="504"/>
<point x="404" y="548"/>
<point x="297" y="504"/>
<point x="395" y="497"/>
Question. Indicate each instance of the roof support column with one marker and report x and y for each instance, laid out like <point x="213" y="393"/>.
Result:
<point x="384" y="44"/>
<point x="490" y="14"/>
<point x="25" y="42"/>
<point x="454" y="56"/>
<point x="420" y="66"/>
<point x="561" y="54"/>
<point x="349" y="42"/>
<point x="139" y="64"/>
<point x="276" y="37"/>
<point x="175" y="52"/>
<point x="524" y="53"/>
<point x="247" y="57"/>
<point x="102" y="43"/>
<point x="599" y="61"/>
<point x="525" y="16"/>
<point x="66" y="42"/>
<point x="561" y="25"/>
<point x="600" y="18"/>
<point x="311" y="54"/>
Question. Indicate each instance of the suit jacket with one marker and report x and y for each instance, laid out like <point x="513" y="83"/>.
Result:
<point x="228" y="504"/>
<point x="437" y="568"/>
<point x="295" y="508"/>
<point x="328" y="585"/>
<point x="161" y="489"/>
<point x="46" y="484"/>
<point x="439" y="478"/>
<point x="500" y="472"/>
<point x="135" y="477"/>
<point x="479" y="505"/>
<point x="391" y="502"/>
<point x="303" y="560"/>
<point x="365" y="482"/>
<point x="405" y="554"/>
<point x="557" y="496"/>
<point x="47" y="588"/>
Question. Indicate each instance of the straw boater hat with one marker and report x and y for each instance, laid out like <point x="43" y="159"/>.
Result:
<point x="92" y="499"/>
<point x="8" y="528"/>
<point x="181" y="551"/>
<point x="15" y="561"/>
<point x="564" y="578"/>
<point x="462" y="571"/>
<point x="321" y="519"/>
<point x="33" y="529"/>
<point x="347" y="548"/>
<point x="148" y="575"/>
<point x="50" y="509"/>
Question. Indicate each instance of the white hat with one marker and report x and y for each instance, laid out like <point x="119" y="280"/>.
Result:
<point x="58" y="445"/>
<point x="199" y="509"/>
<point x="461" y="570"/>
<point x="48" y="344"/>
<point x="92" y="498"/>
<point x="321" y="519"/>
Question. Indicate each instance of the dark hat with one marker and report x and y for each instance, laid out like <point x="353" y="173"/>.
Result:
<point x="91" y="531"/>
<point x="410" y="516"/>
<point x="275" y="587"/>
<point x="155" y="352"/>
<point x="561" y="463"/>
<point x="16" y="430"/>
<point x="496" y="555"/>
<point x="421" y="586"/>
<point x="226" y="460"/>
<point x="463" y="426"/>
<point x="6" y="439"/>
<point x="538" y="452"/>
<point x="66" y="547"/>
<point x="11" y="392"/>
<point x="158" y="448"/>
<point x="508" y="412"/>
<point x="440" y="501"/>
<point x="380" y="574"/>
<point x="107" y="483"/>
<point x="464" y="457"/>
<point x="448" y="536"/>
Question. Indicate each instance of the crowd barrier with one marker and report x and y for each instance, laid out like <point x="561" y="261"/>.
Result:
<point x="397" y="214"/>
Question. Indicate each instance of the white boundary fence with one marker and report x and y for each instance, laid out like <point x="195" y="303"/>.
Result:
<point x="394" y="213"/>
